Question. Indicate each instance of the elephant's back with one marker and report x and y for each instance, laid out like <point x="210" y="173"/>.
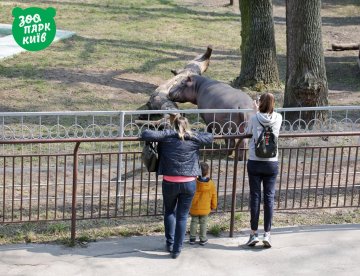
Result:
<point x="222" y="96"/>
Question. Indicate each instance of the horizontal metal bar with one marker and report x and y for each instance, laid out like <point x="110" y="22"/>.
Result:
<point x="134" y="112"/>
<point x="118" y="139"/>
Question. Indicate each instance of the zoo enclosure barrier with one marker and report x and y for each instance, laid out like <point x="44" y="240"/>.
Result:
<point x="77" y="186"/>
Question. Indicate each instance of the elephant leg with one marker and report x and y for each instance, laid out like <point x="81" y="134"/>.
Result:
<point x="230" y="144"/>
<point x="242" y="150"/>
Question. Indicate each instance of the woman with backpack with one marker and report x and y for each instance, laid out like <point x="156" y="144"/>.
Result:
<point x="262" y="165"/>
<point x="178" y="151"/>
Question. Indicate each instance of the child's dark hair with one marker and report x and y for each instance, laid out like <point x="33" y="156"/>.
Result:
<point x="204" y="169"/>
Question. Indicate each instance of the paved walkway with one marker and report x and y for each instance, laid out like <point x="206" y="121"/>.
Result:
<point x="323" y="250"/>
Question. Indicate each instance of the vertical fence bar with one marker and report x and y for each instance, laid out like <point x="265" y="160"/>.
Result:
<point x="295" y="177"/>
<point x="74" y="189"/>
<point x="325" y="177"/>
<point x="4" y="190"/>
<point x="56" y="184"/>
<point x="148" y="195"/>
<point x="156" y="193"/>
<point x="302" y="178"/>
<point x="117" y="199"/>
<point x="120" y="165"/>
<point x="310" y="177"/>
<point x="226" y="174"/>
<point x="133" y="186"/>
<point x="47" y="187"/>
<point x="100" y="192"/>
<point x="332" y="177"/>
<point x="141" y="186"/>
<point x="288" y="177"/>
<point x="317" y="178"/>
<point x="233" y="195"/>
<point x="125" y="183"/>
<point x="339" y="181"/>
<point x="243" y="181"/>
<point x="13" y="189"/>
<point x="21" y="186"/>
<point x="109" y="187"/>
<point x="39" y="187"/>
<point x="354" y="176"/>
<point x="30" y="194"/>
<point x="347" y="175"/>
<point x="64" y="192"/>
<point x="92" y="186"/>
<point x="281" y="173"/>
<point x="84" y="187"/>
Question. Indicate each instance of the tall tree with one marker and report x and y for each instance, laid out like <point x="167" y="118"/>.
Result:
<point x="306" y="83"/>
<point x="258" y="50"/>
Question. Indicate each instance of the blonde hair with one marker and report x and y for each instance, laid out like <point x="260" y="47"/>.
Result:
<point x="181" y="125"/>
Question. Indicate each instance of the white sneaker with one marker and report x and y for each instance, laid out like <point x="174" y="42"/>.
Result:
<point x="267" y="240"/>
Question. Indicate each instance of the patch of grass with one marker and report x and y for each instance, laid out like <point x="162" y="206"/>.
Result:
<point x="219" y="224"/>
<point x="57" y="228"/>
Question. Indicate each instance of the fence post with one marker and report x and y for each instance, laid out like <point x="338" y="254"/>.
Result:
<point x="233" y="195"/>
<point x="119" y="161"/>
<point x="74" y="192"/>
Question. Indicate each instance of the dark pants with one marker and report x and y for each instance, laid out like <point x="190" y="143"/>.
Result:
<point x="177" y="202"/>
<point x="265" y="172"/>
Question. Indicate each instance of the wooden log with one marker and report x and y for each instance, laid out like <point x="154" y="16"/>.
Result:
<point x="345" y="46"/>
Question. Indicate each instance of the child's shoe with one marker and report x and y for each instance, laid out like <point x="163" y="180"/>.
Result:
<point x="204" y="242"/>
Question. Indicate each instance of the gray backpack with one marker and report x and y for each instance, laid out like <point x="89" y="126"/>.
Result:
<point x="267" y="143"/>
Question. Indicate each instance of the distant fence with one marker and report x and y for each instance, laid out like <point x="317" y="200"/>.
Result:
<point x="108" y="124"/>
<point x="88" y="185"/>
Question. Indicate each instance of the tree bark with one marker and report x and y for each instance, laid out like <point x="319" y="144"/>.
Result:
<point x="159" y="99"/>
<point x="258" y="49"/>
<point x="306" y="82"/>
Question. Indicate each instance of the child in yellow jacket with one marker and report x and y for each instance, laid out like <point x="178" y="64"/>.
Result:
<point x="205" y="199"/>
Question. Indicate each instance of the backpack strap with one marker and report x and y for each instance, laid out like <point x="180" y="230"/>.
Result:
<point x="269" y="127"/>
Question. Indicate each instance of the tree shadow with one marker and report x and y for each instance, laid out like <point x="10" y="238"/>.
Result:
<point x="343" y="73"/>
<point x="325" y="3"/>
<point x="139" y="12"/>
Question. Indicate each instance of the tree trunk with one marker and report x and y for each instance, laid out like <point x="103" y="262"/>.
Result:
<point x="159" y="99"/>
<point x="258" y="50"/>
<point x="306" y="83"/>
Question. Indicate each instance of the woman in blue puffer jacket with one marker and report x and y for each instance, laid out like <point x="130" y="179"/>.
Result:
<point x="178" y="151"/>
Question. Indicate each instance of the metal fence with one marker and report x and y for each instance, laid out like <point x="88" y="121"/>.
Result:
<point x="107" y="124"/>
<point x="87" y="185"/>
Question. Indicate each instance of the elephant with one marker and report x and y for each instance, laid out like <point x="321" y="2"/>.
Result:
<point x="211" y="94"/>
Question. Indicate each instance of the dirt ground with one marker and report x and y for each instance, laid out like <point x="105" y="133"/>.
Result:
<point x="92" y="85"/>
